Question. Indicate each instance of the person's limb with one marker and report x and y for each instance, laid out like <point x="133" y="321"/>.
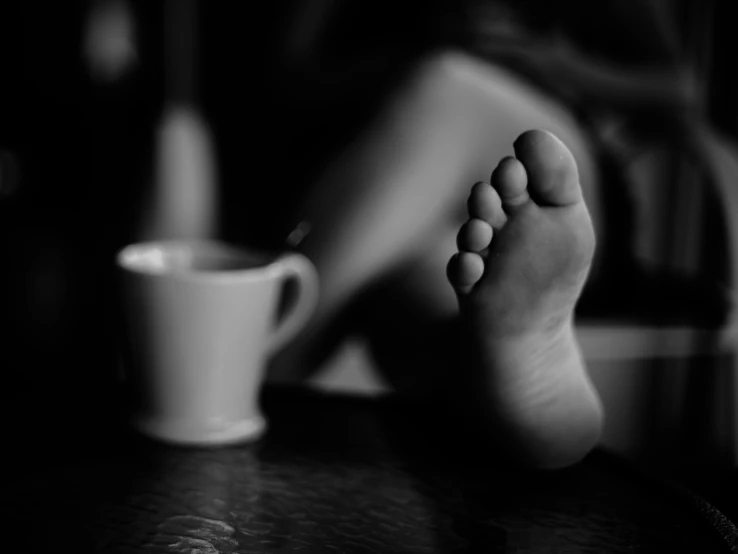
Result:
<point x="385" y="200"/>
<point x="391" y="207"/>
<point x="510" y="361"/>
<point x="385" y="221"/>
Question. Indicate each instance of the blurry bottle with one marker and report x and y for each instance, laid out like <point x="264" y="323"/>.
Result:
<point x="182" y="200"/>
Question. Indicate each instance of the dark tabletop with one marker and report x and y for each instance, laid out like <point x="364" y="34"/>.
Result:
<point x="342" y="474"/>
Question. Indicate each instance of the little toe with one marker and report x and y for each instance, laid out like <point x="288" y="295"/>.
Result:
<point x="484" y="203"/>
<point x="553" y="178"/>
<point x="510" y="181"/>
<point x="474" y="236"/>
<point x="464" y="270"/>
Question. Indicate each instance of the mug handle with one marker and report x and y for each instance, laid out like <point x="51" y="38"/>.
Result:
<point x="298" y="268"/>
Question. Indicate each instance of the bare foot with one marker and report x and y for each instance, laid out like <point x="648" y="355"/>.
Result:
<point x="524" y="255"/>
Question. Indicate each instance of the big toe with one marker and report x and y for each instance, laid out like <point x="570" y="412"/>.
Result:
<point x="553" y="178"/>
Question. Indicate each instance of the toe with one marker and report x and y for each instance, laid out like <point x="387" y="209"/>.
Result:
<point x="552" y="172"/>
<point x="474" y="236"/>
<point x="464" y="270"/>
<point x="484" y="203"/>
<point x="510" y="181"/>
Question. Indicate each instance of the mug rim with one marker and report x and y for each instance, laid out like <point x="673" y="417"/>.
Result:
<point x="266" y="262"/>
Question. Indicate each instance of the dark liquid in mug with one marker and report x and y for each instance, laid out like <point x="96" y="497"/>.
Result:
<point x="226" y="260"/>
<point x="225" y="264"/>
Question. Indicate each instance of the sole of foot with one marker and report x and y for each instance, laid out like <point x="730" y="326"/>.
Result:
<point x="524" y="255"/>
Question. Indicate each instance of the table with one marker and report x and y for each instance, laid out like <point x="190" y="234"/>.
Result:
<point x="342" y="474"/>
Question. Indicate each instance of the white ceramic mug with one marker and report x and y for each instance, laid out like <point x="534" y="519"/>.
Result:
<point x="202" y="320"/>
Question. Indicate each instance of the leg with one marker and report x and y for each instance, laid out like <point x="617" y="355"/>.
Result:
<point x="391" y="199"/>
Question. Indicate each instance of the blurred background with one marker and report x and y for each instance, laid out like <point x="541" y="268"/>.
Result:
<point x="109" y="106"/>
